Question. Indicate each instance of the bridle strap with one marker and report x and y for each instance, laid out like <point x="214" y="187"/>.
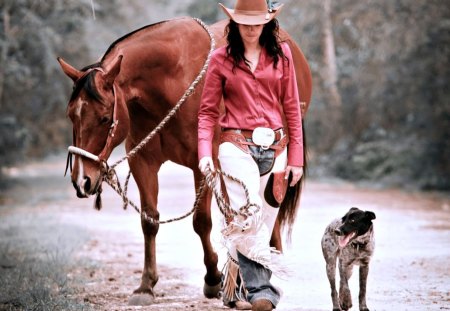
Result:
<point x="83" y="153"/>
<point x="68" y="163"/>
<point x="112" y="130"/>
<point x="101" y="158"/>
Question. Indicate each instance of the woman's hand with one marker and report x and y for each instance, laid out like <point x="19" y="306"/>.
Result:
<point x="205" y="164"/>
<point x="303" y="108"/>
<point x="297" y="173"/>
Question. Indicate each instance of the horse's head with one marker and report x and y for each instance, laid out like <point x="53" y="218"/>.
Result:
<point x="100" y="121"/>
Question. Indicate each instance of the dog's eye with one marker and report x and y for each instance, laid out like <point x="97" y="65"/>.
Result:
<point x="352" y="220"/>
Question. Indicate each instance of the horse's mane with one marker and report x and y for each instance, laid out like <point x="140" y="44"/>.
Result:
<point x="86" y="82"/>
<point x="127" y="36"/>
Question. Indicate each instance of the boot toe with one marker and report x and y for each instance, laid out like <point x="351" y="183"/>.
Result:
<point x="262" y="305"/>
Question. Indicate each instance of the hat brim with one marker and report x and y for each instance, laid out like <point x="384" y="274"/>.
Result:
<point x="255" y="18"/>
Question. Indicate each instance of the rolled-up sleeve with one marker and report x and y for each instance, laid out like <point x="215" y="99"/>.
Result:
<point x="291" y="106"/>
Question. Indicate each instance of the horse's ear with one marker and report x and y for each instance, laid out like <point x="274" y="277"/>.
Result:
<point x="112" y="70"/>
<point x="70" y="71"/>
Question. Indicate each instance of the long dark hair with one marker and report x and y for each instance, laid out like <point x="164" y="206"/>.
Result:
<point x="269" y="39"/>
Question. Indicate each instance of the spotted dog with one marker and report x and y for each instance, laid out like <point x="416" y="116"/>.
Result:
<point x="351" y="239"/>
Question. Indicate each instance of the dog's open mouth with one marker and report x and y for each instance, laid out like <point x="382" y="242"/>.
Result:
<point x="344" y="239"/>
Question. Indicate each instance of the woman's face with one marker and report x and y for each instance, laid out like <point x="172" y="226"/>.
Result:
<point x="250" y="33"/>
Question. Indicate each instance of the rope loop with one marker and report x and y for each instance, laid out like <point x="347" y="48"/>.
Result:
<point x="189" y="91"/>
<point x="109" y="173"/>
<point x="209" y="181"/>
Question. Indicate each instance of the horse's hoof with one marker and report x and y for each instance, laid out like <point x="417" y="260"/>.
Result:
<point x="141" y="300"/>
<point x="212" y="291"/>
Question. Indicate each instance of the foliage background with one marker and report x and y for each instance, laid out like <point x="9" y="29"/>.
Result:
<point x="385" y="119"/>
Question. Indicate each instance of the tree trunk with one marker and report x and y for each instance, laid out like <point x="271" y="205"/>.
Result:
<point x="330" y="72"/>
<point x="4" y="51"/>
<point x="334" y="125"/>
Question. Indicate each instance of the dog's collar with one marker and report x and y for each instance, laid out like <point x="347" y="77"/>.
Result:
<point x="358" y="245"/>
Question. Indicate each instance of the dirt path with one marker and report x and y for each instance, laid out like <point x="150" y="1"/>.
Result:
<point x="104" y="250"/>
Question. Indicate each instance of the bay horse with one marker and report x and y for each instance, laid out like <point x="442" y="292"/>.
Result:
<point x="125" y="95"/>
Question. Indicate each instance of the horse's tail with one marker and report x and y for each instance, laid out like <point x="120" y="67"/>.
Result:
<point x="291" y="202"/>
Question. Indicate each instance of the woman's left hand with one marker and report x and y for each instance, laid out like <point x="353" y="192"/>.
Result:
<point x="297" y="173"/>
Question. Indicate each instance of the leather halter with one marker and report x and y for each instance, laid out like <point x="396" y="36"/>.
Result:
<point x="101" y="158"/>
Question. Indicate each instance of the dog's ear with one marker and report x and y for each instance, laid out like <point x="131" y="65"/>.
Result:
<point x="370" y="214"/>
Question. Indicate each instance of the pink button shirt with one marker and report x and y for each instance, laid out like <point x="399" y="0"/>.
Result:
<point x="251" y="100"/>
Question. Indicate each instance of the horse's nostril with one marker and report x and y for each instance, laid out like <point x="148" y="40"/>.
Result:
<point x="79" y="194"/>
<point x="87" y="184"/>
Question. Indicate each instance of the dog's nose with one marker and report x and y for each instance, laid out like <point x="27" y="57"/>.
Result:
<point x="338" y="232"/>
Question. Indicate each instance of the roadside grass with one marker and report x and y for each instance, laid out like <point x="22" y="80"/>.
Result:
<point x="35" y="259"/>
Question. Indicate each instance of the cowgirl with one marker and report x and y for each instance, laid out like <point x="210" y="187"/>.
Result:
<point x="254" y="77"/>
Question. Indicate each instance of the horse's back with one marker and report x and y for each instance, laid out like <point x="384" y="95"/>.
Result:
<point x="176" y="45"/>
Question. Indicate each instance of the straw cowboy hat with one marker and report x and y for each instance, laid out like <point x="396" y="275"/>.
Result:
<point x="252" y="12"/>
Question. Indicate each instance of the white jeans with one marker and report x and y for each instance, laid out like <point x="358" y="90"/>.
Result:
<point x="241" y="165"/>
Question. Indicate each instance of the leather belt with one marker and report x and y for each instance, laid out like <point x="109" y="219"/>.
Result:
<point x="248" y="133"/>
<point x="239" y="140"/>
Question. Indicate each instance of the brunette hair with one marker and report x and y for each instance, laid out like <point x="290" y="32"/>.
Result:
<point x="269" y="39"/>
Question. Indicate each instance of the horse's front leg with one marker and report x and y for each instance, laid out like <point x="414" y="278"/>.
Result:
<point x="146" y="177"/>
<point x="202" y="226"/>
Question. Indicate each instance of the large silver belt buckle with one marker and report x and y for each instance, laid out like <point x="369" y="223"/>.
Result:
<point x="263" y="136"/>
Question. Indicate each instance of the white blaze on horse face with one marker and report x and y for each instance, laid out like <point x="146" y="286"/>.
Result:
<point x="79" y="106"/>
<point x="80" y="178"/>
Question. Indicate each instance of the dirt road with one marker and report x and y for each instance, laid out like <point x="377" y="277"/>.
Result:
<point x="99" y="255"/>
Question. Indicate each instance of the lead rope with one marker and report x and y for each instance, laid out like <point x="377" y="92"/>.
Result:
<point x="181" y="101"/>
<point x="210" y="180"/>
<point x="109" y="173"/>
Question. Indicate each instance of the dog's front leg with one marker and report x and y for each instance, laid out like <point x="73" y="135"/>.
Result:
<point x="363" y="273"/>
<point x="331" y="273"/>
<point x="345" y="272"/>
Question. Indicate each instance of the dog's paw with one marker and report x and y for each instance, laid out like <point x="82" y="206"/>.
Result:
<point x="345" y="300"/>
<point x="346" y="305"/>
<point x="364" y="309"/>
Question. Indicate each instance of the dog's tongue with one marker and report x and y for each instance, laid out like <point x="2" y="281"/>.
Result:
<point x="343" y="240"/>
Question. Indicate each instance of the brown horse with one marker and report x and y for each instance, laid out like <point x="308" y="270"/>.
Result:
<point x="124" y="96"/>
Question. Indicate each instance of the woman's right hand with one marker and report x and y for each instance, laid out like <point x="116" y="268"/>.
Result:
<point x="205" y="164"/>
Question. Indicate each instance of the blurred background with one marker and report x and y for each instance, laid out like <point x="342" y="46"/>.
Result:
<point x="378" y="133"/>
<point x="380" y="112"/>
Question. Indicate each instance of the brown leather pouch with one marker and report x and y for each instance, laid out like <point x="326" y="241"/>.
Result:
<point x="276" y="188"/>
<point x="279" y="147"/>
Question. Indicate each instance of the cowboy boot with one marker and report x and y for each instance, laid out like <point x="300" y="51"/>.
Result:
<point x="262" y="305"/>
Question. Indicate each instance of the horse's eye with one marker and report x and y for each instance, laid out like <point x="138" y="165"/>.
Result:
<point x="104" y="120"/>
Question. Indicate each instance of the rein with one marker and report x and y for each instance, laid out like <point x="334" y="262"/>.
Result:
<point x="109" y="174"/>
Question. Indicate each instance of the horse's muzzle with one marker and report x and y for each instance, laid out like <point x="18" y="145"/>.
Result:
<point x="86" y="188"/>
<point x="80" y="194"/>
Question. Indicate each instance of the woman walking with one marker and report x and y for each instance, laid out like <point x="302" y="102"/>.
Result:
<point x="254" y="77"/>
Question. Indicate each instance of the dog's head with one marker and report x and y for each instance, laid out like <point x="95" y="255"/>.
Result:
<point x="355" y="223"/>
